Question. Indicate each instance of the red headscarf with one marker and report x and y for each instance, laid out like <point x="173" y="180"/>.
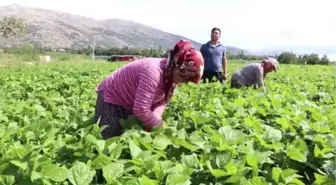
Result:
<point x="187" y="60"/>
<point x="269" y="64"/>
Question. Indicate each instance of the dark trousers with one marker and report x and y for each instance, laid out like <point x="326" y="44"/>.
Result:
<point x="235" y="84"/>
<point x="212" y="77"/>
<point x="109" y="115"/>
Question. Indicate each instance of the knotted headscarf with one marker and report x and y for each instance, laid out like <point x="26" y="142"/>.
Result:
<point x="270" y="64"/>
<point x="187" y="60"/>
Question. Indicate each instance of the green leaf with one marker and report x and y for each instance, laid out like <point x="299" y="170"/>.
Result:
<point x="190" y="160"/>
<point x="185" y="144"/>
<point x="323" y="180"/>
<point x="276" y="173"/>
<point x="258" y="181"/>
<point x="230" y="170"/>
<point x="219" y="173"/>
<point x="288" y="175"/>
<point x="252" y="160"/>
<point x="296" y="154"/>
<point x="35" y="175"/>
<point x="131" y="182"/>
<point x="100" y="144"/>
<point x="298" y="151"/>
<point x="161" y="142"/>
<point x="113" y="181"/>
<point x="176" y="179"/>
<point x="144" y="180"/>
<point x="20" y="150"/>
<point x="46" y="182"/>
<point x="113" y="171"/>
<point x="7" y="179"/>
<point x="54" y="172"/>
<point x="297" y="182"/>
<point x="254" y="123"/>
<point x="196" y="140"/>
<point x="100" y="160"/>
<point x="115" y="150"/>
<point x="21" y="164"/>
<point x="80" y="174"/>
<point x="271" y="134"/>
<point x="231" y="136"/>
<point x="283" y="122"/>
<point x="135" y="150"/>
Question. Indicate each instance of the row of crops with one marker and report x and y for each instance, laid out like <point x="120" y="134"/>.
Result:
<point x="217" y="135"/>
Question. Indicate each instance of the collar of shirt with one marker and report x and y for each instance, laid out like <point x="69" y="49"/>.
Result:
<point x="211" y="45"/>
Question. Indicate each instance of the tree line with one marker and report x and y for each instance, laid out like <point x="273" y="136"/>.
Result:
<point x="146" y="52"/>
<point x="152" y="52"/>
<point x="311" y="59"/>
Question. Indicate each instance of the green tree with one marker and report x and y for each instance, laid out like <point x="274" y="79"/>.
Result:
<point x="287" y="58"/>
<point x="241" y="54"/>
<point x="303" y="59"/>
<point x="229" y="55"/>
<point x="313" y="59"/>
<point x="324" y="60"/>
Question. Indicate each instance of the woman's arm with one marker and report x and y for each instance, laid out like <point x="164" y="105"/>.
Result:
<point x="149" y="80"/>
<point x="259" y="79"/>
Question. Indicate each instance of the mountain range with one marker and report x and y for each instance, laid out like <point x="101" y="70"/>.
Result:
<point x="59" y="30"/>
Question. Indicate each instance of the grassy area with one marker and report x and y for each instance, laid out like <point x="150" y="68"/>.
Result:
<point x="11" y="60"/>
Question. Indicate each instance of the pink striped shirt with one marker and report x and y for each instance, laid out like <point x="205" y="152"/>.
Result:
<point x="138" y="86"/>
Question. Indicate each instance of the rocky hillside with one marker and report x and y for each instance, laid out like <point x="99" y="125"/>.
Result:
<point x="53" y="29"/>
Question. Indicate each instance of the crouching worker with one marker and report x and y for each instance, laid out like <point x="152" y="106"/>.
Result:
<point x="254" y="74"/>
<point x="144" y="87"/>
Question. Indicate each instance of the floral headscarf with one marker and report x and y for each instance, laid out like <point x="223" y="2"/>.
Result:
<point x="187" y="60"/>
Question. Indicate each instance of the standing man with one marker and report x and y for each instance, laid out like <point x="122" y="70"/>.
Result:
<point x="215" y="61"/>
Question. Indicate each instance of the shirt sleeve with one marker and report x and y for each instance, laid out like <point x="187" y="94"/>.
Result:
<point x="149" y="80"/>
<point x="224" y="52"/>
<point x="259" y="74"/>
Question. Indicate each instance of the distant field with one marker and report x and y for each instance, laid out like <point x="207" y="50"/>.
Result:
<point x="30" y="59"/>
<point x="217" y="135"/>
<point x="18" y="60"/>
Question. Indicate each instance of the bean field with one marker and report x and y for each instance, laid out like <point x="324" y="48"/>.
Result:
<point x="216" y="135"/>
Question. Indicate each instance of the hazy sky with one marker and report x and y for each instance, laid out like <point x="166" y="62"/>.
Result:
<point x="249" y="24"/>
